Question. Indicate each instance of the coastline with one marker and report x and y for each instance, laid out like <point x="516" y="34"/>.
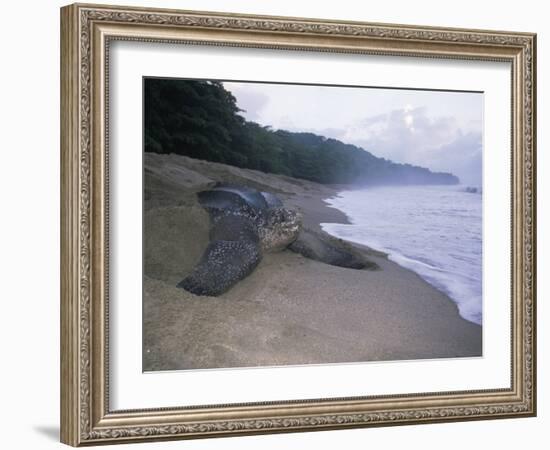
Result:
<point x="291" y="310"/>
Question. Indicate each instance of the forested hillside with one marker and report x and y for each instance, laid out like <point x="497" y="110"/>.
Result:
<point x="201" y="119"/>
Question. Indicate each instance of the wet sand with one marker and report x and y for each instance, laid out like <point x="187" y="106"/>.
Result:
<point x="290" y="310"/>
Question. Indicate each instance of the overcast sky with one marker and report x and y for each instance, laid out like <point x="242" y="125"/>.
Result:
<point x="438" y="130"/>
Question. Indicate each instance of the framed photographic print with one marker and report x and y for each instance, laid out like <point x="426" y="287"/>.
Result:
<point x="275" y="224"/>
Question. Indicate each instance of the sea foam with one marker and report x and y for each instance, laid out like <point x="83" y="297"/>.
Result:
<point x="435" y="231"/>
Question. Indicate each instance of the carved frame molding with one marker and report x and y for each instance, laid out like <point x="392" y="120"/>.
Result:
<point x="86" y="33"/>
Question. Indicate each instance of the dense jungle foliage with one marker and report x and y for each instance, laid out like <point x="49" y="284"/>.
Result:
<point x="201" y="119"/>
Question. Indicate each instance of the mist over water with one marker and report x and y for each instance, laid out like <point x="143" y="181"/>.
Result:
<point x="436" y="231"/>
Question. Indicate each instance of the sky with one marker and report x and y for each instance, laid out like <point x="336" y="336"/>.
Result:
<point x="438" y="130"/>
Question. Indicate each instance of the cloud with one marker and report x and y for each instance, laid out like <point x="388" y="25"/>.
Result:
<point x="464" y="155"/>
<point x="437" y="130"/>
<point x="251" y="102"/>
<point x="410" y="136"/>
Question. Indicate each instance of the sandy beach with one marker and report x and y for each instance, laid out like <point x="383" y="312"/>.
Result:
<point x="291" y="309"/>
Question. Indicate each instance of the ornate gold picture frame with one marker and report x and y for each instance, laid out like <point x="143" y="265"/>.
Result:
<point x="87" y="32"/>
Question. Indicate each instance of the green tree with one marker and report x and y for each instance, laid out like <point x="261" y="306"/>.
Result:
<point x="201" y="119"/>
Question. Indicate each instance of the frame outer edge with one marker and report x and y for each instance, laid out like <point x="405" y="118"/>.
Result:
<point x="535" y="335"/>
<point x="69" y="311"/>
<point x="534" y="374"/>
<point x="79" y="407"/>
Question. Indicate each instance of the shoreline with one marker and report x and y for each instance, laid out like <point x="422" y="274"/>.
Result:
<point x="333" y="215"/>
<point x="291" y="310"/>
<point x="400" y="257"/>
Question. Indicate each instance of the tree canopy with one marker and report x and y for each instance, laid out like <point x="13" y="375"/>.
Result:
<point x="201" y="119"/>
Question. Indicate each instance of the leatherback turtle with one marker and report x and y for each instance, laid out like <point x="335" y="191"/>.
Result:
<point x="245" y="224"/>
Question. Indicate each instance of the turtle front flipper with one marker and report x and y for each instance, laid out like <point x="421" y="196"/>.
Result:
<point x="223" y="264"/>
<point x="323" y="248"/>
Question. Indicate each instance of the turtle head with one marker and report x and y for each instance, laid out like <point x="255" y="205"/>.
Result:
<point x="281" y="229"/>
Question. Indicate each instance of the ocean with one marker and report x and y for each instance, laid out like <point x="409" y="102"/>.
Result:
<point x="435" y="231"/>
